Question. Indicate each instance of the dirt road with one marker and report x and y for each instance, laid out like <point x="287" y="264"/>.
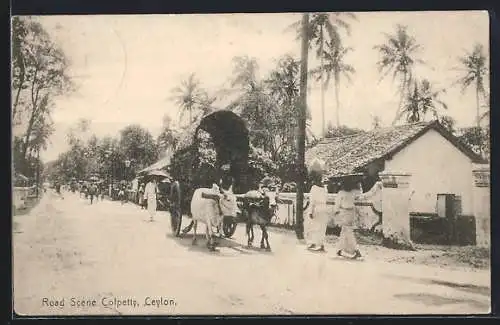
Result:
<point x="73" y="258"/>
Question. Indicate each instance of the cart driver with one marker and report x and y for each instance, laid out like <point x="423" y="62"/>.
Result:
<point x="225" y="182"/>
<point x="226" y="179"/>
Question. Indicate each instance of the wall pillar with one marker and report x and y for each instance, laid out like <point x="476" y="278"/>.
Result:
<point x="396" y="210"/>
<point x="481" y="205"/>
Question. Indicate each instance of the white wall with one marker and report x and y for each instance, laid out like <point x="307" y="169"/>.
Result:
<point x="437" y="166"/>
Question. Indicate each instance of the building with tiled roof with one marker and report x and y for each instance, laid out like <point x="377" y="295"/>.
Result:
<point x="437" y="160"/>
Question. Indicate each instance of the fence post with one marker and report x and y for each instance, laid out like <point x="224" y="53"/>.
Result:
<point x="395" y="210"/>
<point x="481" y="207"/>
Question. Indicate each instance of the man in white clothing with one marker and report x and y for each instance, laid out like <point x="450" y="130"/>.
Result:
<point x="150" y="193"/>
<point x="318" y="214"/>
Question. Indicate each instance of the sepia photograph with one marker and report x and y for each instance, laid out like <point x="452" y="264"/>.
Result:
<point x="320" y="163"/>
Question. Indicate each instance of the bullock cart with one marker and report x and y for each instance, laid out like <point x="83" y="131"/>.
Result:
<point x="219" y="139"/>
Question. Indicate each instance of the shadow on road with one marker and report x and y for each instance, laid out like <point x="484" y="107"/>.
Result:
<point x="481" y="290"/>
<point x="187" y="239"/>
<point x="346" y="259"/>
<point x="430" y="299"/>
<point x="470" y="288"/>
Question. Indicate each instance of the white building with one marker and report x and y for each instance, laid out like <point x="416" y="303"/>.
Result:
<point x="438" y="162"/>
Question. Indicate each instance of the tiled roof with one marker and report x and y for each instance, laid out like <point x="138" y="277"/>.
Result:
<point x="346" y="155"/>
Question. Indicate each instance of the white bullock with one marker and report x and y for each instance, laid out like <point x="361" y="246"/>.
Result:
<point x="211" y="211"/>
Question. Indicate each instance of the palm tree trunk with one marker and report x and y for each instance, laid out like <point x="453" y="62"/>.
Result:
<point x="337" y="99"/>
<point x="477" y="107"/>
<point x="478" y="122"/>
<point x="323" y="129"/>
<point x="401" y="98"/>
<point x="301" y="130"/>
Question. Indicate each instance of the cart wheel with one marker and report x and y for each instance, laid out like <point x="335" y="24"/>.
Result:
<point x="228" y="227"/>
<point x="175" y="208"/>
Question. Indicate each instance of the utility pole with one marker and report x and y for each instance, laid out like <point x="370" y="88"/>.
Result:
<point x="301" y="130"/>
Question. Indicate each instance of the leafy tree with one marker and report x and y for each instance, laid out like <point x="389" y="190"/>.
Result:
<point x="283" y="88"/>
<point x="448" y="122"/>
<point x="252" y="102"/>
<point x="137" y="144"/>
<point x="19" y="33"/>
<point x="476" y="139"/>
<point x="260" y="164"/>
<point x="39" y="75"/>
<point x="399" y="56"/>
<point x="341" y="131"/>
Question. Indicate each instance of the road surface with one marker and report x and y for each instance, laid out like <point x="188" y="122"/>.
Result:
<point x="73" y="258"/>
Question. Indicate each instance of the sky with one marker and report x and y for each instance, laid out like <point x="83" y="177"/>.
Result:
<point x="126" y="66"/>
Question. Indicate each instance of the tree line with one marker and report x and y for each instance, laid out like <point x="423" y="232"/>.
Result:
<point x="397" y="56"/>
<point x="271" y="105"/>
<point x="39" y="76"/>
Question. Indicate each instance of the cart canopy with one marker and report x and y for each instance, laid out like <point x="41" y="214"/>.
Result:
<point x="230" y="137"/>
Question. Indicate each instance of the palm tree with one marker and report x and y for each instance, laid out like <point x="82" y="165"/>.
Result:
<point x="322" y="23"/>
<point x="474" y="66"/>
<point x="423" y="99"/>
<point x="335" y="66"/>
<point x="186" y="96"/>
<point x="331" y="23"/>
<point x="399" y="56"/>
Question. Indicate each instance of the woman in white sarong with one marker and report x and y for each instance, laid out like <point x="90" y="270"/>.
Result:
<point x="345" y="213"/>
<point x="150" y="195"/>
<point x="318" y="214"/>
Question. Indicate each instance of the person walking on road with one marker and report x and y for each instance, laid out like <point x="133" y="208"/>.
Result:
<point x="141" y="196"/>
<point x="102" y="190"/>
<point x="345" y="212"/>
<point x="121" y="193"/>
<point x="318" y="214"/>
<point x="93" y="192"/>
<point x="150" y="193"/>
<point x="58" y="189"/>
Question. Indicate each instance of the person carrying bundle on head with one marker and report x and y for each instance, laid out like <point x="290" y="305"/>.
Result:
<point x="318" y="214"/>
<point x="345" y="212"/>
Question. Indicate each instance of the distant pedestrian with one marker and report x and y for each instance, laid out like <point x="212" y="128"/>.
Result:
<point x="58" y="189"/>
<point x="345" y="212"/>
<point x="92" y="192"/>
<point x="150" y="192"/>
<point x="141" y="198"/>
<point x="318" y="214"/>
<point x="121" y="193"/>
